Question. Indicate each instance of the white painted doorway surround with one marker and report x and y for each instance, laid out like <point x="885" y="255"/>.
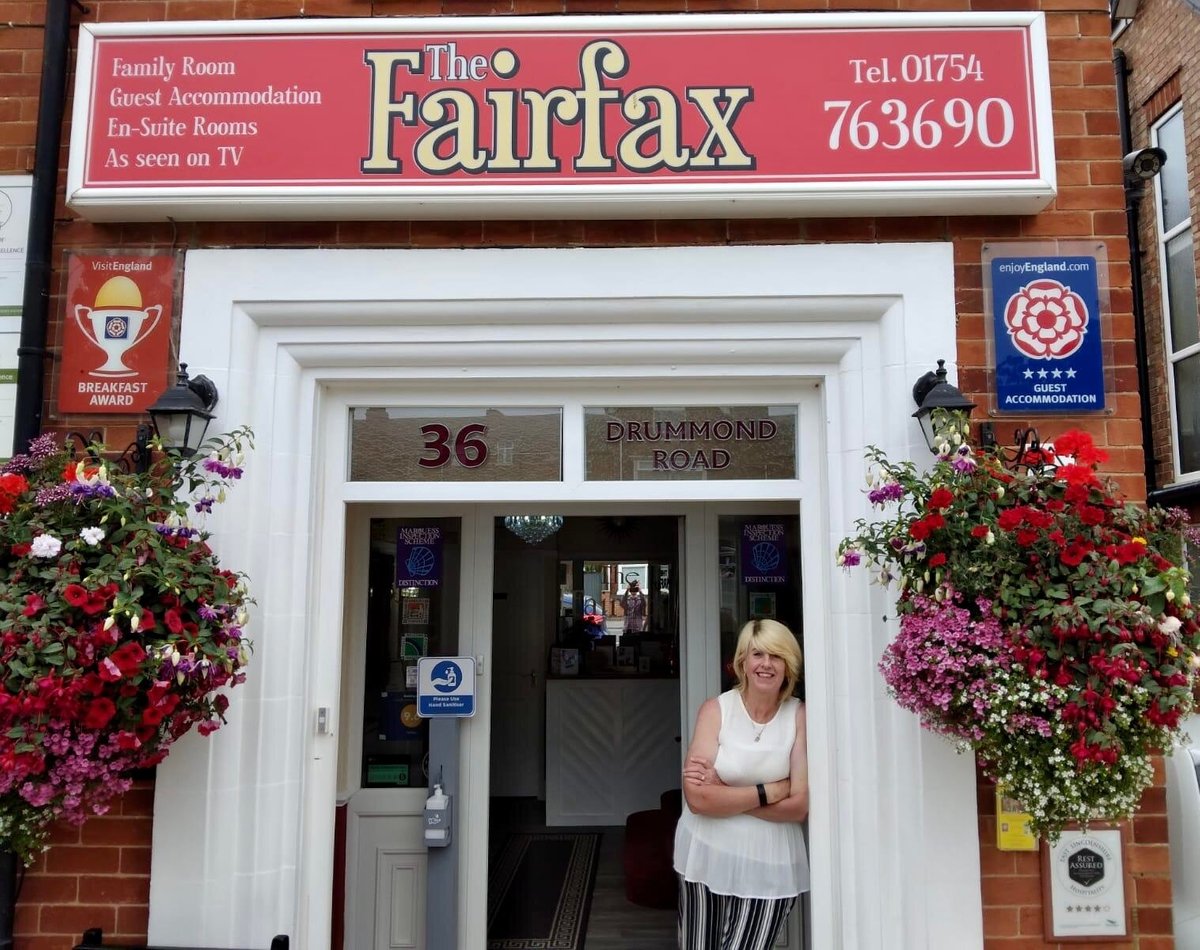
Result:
<point x="243" y="827"/>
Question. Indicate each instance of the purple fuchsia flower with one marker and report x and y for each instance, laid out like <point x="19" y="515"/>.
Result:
<point x="887" y="492"/>
<point x="964" y="462"/>
<point x="81" y="491"/>
<point x="849" y="558"/>
<point x="222" y="468"/>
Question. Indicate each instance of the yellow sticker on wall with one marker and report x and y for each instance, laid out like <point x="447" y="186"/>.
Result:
<point x="1012" y="824"/>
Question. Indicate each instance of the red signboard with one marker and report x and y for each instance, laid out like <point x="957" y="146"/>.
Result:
<point x="116" y="333"/>
<point x="440" y="109"/>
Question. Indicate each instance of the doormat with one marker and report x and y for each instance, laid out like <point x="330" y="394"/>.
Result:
<point x="540" y="891"/>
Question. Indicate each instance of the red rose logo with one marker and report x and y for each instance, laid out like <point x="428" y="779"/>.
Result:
<point x="1046" y="320"/>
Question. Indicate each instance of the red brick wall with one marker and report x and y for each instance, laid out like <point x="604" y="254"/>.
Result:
<point x="94" y="876"/>
<point x="1012" y="881"/>
<point x="1090" y="206"/>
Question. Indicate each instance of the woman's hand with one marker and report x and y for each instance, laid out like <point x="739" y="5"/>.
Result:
<point x="778" y="791"/>
<point x="700" y="771"/>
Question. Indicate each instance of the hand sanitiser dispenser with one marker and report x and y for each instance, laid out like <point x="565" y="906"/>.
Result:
<point x="437" y="818"/>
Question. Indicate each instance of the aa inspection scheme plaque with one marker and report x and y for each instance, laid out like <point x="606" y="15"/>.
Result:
<point x="1084" y="875"/>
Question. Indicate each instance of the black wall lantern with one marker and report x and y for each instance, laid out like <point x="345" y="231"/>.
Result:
<point x="933" y="391"/>
<point x="182" y="413"/>
<point x="179" y="417"/>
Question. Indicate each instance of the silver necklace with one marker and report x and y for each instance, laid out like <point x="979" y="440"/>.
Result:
<point x="759" y="728"/>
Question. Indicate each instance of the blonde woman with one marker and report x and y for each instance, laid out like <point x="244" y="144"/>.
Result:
<point x="739" y="849"/>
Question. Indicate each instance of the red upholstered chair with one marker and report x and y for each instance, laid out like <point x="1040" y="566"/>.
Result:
<point x="649" y="849"/>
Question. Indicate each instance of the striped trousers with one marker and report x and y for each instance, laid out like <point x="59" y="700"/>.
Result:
<point x="709" y="921"/>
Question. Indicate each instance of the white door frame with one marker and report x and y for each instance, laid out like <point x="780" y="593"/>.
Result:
<point x="292" y="336"/>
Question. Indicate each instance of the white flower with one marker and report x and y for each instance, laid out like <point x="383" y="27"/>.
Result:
<point x="1170" y="626"/>
<point x="92" y="536"/>
<point x="45" y="545"/>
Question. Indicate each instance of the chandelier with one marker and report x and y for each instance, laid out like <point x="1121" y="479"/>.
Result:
<point x="533" y="528"/>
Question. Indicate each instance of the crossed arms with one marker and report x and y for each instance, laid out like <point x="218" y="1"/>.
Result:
<point x="706" y="794"/>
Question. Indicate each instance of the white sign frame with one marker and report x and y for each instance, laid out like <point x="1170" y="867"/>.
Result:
<point x="673" y="200"/>
<point x="1076" y="910"/>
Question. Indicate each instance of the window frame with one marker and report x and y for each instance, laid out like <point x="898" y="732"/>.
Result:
<point x="1164" y="236"/>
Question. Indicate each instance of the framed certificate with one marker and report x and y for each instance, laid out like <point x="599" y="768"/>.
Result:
<point x="1084" y="888"/>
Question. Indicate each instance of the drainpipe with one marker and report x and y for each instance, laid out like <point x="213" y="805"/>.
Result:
<point x="1133" y="200"/>
<point x="35" y="307"/>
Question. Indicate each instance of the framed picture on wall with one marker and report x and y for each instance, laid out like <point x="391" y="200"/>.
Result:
<point x="1085" y="893"/>
<point x="762" y="606"/>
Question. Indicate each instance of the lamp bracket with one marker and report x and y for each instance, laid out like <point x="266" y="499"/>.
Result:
<point x="1026" y="448"/>
<point x="135" y="457"/>
<point x="206" y="389"/>
<point x="924" y="386"/>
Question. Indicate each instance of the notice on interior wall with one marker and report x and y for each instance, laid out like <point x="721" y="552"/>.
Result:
<point x="418" y="556"/>
<point x="116" y="332"/>
<point x="764" y="553"/>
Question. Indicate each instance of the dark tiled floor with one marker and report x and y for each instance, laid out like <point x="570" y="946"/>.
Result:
<point x="614" y="923"/>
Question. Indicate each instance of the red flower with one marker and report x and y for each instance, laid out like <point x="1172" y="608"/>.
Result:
<point x="1079" y="446"/>
<point x="980" y="531"/>
<point x="1010" y="518"/>
<point x="98" y="713"/>
<point x="1074" y="553"/>
<point x="75" y="594"/>
<point x="937" y="560"/>
<point x="941" y="498"/>
<point x="1129" y="552"/>
<point x="1090" y="514"/>
<point x="12" y="486"/>
<point x="71" y="472"/>
<point x="128" y="657"/>
<point x="34" y="605"/>
<point x="1077" y="475"/>
<point x="1075" y="493"/>
<point x="1037" y="518"/>
<point x="173" y="621"/>
<point x="1026" y="537"/>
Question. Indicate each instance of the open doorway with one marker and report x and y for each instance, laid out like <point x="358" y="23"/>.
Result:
<point x="585" y="750"/>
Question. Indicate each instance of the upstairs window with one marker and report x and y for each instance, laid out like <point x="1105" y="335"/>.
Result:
<point x="1177" y="264"/>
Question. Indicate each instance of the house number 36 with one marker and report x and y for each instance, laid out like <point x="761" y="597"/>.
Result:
<point x="469" y="448"/>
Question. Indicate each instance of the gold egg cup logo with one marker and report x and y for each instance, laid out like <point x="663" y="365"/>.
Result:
<point x="116" y="323"/>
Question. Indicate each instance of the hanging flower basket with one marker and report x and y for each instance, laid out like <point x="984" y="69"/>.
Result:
<point x="1044" y="623"/>
<point x="118" y="627"/>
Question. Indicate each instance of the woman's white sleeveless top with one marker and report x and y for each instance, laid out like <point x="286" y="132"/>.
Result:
<point x="742" y="855"/>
